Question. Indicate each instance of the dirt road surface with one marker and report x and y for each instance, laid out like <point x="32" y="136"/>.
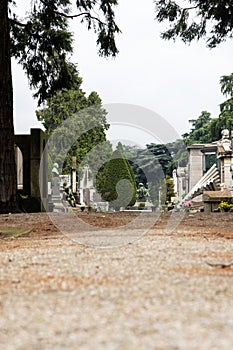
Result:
<point x="163" y="289"/>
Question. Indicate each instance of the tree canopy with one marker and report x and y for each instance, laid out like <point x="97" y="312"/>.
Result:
<point x="196" y="19"/>
<point x="43" y="43"/>
<point x="206" y="129"/>
<point x="200" y="130"/>
<point x="87" y="111"/>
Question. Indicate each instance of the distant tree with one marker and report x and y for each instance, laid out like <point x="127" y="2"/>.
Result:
<point x="153" y="163"/>
<point x="206" y="129"/>
<point x="226" y="82"/>
<point x="179" y="154"/>
<point x="225" y="119"/>
<point x="200" y="131"/>
<point x="195" y="19"/>
<point x="132" y="154"/>
<point x="116" y="181"/>
<point x="163" y="157"/>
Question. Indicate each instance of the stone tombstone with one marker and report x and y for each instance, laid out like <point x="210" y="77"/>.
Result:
<point x="55" y="181"/>
<point x="56" y="192"/>
<point x="19" y="168"/>
<point x="86" y="186"/>
<point x="195" y="164"/>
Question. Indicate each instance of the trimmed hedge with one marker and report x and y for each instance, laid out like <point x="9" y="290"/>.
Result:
<point x="116" y="182"/>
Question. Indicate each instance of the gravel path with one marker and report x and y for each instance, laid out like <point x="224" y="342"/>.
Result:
<point x="159" y="292"/>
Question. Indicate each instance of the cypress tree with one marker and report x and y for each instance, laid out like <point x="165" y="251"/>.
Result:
<point x="116" y="182"/>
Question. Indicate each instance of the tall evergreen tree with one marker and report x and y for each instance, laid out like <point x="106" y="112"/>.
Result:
<point x="116" y="181"/>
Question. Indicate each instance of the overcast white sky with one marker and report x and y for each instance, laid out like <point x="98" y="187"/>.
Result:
<point x="172" y="79"/>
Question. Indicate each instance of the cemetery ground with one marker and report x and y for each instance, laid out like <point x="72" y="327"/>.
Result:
<point x="165" y="290"/>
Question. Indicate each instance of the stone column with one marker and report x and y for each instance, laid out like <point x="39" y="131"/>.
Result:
<point x="195" y="164"/>
<point x="38" y="167"/>
<point x="73" y="176"/>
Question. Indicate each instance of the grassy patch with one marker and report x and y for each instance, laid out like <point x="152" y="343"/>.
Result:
<point x="14" y="232"/>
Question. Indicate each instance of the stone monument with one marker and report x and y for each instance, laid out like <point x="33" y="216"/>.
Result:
<point x="225" y="157"/>
<point x="56" y="194"/>
<point x="86" y="186"/>
<point x="142" y="193"/>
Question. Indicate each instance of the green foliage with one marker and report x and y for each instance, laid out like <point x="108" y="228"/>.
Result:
<point x="226" y="206"/>
<point x="168" y="157"/>
<point x="226" y="82"/>
<point x="141" y="205"/>
<point x="50" y="168"/>
<point x="149" y="165"/>
<point x="152" y="164"/>
<point x="116" y="182"/>
<point x="196" y="19"/>
<point x="179" y="154"/>
<point x="69" y="112"/>
<point x="96" y="157"/>
<point x="167" y="190"/>
<point x="99" y="15"/>
<point x="206" y="129"/>
<point x="42" y="42"/>
<point x="226" y="108"/>
<point x="200" y="132"/>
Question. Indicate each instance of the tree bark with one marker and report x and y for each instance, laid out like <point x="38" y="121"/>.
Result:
<point x="8" y="180"/>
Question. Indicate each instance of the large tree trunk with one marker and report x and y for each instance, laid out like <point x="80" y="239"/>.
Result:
<point x="8" y="180"/>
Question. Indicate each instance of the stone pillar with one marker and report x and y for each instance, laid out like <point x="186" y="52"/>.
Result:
<point x="195" y="164"/>
<point x="226" y="173"/>
<point x="39" y="167"/>
<point x="73" y="176"/>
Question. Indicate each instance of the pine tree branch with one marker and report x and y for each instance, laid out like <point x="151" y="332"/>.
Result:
<point x="76" y="15"/>
<point x="190" y="8"/>
<point x="80" y="14"/>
